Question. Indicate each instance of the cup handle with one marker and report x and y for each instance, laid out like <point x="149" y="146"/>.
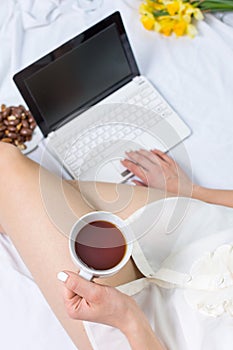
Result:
<point x="87" y="275"/>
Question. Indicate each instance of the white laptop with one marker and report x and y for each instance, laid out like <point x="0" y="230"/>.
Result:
<point x="92" y="104"/>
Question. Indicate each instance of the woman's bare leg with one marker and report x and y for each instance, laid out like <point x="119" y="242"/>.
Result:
<point x="1" y="229"/>
<point x="42" y="246"/>
<point x="37" y="211"/>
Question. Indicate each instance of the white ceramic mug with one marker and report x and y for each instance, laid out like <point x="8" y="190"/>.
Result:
<point x="86" y="271"/>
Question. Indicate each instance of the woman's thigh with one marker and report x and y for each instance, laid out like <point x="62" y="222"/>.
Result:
<point x="37" y="211"/>
<point x="39" y="233"/>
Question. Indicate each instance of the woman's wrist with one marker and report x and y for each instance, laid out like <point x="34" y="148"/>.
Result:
<point x="131" y="316"/>
<point x="138" y="330"/>
<point x="197" y="192"/>
<point x="204" y="194"/>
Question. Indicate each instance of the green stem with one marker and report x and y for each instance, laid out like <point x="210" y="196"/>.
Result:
<point x="216" y="5"/>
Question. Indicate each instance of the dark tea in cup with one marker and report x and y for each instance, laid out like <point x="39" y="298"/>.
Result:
<point x="100" y="245"/>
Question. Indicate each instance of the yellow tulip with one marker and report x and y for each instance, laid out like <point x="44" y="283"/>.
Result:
<point x="158" y="7"/>
<point x="166" y="31"/>
<point x="157" y="26"/>
<point x="173" y="8"/>
<point x="180" y="28"/>
<point x="191" y="31"/>
<point x="148" y="22"/>
<point x="166" y="25"/>
<point x="143" y="9"/>
<point x="186" y="18"/>
<point x="198" y="14"/>
<point x="168" y="16"/>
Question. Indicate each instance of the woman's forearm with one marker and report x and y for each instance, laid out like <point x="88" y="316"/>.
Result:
<point x="221" y="197"/>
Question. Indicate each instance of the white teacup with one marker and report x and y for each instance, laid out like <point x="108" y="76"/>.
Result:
<point x="86" y="271"/>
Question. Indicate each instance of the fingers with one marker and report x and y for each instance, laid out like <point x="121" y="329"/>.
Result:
<point x="151" y="167"/>
<point x="135" y="169"/>
<point x="76" y="285"/>
<point x="75" y="292"/>
<point x="141" y="161"/>
<point x="162" y="156"/>
<point x="85" y="300"/>
<point x="68" y="294"/>
<point x="139" y="183"/>
<point x="143" y="158"/>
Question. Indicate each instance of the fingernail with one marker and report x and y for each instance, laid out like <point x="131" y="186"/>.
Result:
<point x="62" y="276"/>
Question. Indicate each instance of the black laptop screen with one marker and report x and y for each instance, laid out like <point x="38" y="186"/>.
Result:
<point x="79" y="76"/>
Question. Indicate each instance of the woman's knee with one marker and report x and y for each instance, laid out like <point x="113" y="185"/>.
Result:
<point x="9" y="156"/>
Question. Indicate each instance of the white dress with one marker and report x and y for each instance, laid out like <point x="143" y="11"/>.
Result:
<point x="184" y="248"/>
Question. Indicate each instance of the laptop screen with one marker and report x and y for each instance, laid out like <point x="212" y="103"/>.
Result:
<point x="77" y="75"/>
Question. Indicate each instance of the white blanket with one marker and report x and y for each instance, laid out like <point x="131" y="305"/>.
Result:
<point x="195" y="76"/>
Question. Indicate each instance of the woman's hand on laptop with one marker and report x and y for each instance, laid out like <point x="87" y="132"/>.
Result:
<point x="156" y="169"/>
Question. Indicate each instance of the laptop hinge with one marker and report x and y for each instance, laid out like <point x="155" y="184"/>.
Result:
<point x="139" y="80"/>
<point x="51" y="134"/>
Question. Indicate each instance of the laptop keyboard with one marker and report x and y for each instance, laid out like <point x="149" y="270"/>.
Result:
<point x="110" y="124"/>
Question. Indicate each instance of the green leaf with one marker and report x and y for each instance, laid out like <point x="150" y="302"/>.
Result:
<point x="160" y="13"/>
<point x="214" y="5"/>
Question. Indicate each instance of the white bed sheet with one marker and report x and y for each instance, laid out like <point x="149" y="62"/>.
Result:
<point x="195" y="76"/>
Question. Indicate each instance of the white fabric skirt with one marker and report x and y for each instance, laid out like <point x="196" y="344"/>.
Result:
<point x="184" y="249"/>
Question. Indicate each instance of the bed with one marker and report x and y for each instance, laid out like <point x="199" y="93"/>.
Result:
<point x="195" y="76"/>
